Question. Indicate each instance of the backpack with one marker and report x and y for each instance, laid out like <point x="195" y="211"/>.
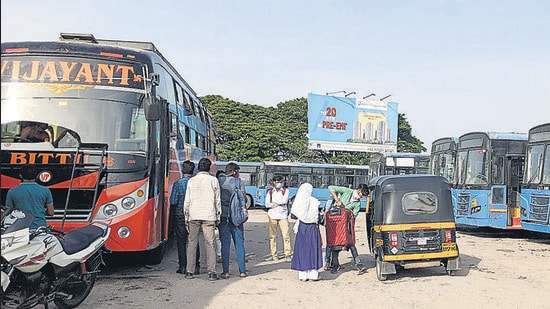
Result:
<point x="271" y="193"/>
<point x="237" y="205"/>
<point x="288" y="203"/>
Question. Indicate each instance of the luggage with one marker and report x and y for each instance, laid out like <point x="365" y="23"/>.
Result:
<point x="340" y="227"/>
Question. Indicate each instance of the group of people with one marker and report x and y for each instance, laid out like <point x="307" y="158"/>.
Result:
<point x="307" y="258"/>
<point x="308" y="255"/>
<point x="202" y="203"/>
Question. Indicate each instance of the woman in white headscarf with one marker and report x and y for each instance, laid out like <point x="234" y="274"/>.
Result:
<point x="308" y="253"/>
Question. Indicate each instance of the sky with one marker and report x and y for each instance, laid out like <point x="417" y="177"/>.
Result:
<point x="452" y="66"/>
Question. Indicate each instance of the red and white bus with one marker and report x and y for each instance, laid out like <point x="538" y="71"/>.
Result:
<point x="107" y="124"/>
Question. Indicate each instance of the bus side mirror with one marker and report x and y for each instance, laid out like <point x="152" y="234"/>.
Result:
<point x="152" y="109"/>
<point x="155" y="79"/>
<point x="151" y="106"/>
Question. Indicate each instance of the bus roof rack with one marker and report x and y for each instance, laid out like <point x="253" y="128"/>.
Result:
<point x="78" y="37"/>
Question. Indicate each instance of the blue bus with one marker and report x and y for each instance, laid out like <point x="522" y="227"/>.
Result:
<point x="319" y="175"/>
<point x="443" y="158"/>
<point x="535" y="188"/>
<point x="248" y="173"/>
<point x="398" y="163"/>
<point x="489" y="170"/>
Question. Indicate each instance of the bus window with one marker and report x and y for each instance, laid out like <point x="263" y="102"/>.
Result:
<point x="497" y="170"/>
<point x="349" y="181"/>
<point x="187" y="104"/>
<point x="187" y="135"/>
<point x="178" y="93"/>
<point x="546" y="167"/>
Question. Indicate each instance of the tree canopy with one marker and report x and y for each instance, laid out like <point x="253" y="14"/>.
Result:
<point x="254" y="133"/>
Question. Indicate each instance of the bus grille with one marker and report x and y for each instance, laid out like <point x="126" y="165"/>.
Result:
<point x="79" y="208"/>
<point x="539" y="208"/>
<point x="463" y="204"/>
<point x="421" y="241"/>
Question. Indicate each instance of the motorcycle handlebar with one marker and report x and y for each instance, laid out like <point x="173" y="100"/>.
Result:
<point x="46" y="230"/>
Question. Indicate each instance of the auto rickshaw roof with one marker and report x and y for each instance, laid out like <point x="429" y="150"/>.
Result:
<point x="389" y="191"/>
<point x="407" y="180"/>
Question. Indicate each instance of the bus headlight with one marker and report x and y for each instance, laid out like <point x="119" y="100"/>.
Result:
<point x="128" y="203"/>
<point x="110" y="210"/>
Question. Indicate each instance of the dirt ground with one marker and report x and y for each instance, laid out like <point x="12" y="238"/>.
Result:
<point x="499" y="270"/>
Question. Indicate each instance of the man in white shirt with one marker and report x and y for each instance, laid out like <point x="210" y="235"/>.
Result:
<point x="276" y="201"/>
<point x="202" y="208"/>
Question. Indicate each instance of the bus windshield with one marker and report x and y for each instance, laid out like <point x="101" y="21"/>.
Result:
<point x="72" y="100"/>
<point x="82" y="116"/>
<point x="534" y="168"/>
<point x="473" y="170"/>
<point x="443" y="165"/>
<point x="537" y="170"/>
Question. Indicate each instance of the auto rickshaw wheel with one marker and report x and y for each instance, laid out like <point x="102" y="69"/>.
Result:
<point x="379" y="275"/>
<point x="451" y="272"/>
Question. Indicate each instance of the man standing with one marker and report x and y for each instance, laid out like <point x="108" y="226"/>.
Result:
<point x="276" y="201"/>
<point x="228" y="184"/>
<point x="349" y="199"/>
<point x="31" y="197"/>
<point x="202" y="208"/>
<point x="177" y="198"/>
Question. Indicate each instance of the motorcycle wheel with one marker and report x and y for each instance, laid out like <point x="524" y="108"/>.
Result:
<point x="76" y="290"/>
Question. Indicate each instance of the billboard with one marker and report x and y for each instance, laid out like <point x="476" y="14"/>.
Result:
<point x="350" y="124"/>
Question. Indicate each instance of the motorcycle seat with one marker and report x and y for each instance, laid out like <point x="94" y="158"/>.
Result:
<point x="80" y="238"/>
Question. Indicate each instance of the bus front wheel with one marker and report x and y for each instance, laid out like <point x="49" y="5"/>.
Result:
<point x="154" y="256"/>
<point x="249" y="201"/>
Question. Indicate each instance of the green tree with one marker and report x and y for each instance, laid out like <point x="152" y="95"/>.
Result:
<point x="406" y="142"/>
<point x="255" y="133"/>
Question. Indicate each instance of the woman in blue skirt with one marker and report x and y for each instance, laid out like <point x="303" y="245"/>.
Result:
<point x="308" y="253"/>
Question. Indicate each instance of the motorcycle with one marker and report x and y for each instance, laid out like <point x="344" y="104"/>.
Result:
<point x="45" y="264"/>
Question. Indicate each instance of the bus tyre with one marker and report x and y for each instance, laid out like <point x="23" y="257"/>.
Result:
<point x="249" y="201"/>
<point x="153" y="257"/>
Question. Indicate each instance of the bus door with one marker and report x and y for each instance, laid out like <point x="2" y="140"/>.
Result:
<point x="161" y="173"/>
<point x="513" y="182"/>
